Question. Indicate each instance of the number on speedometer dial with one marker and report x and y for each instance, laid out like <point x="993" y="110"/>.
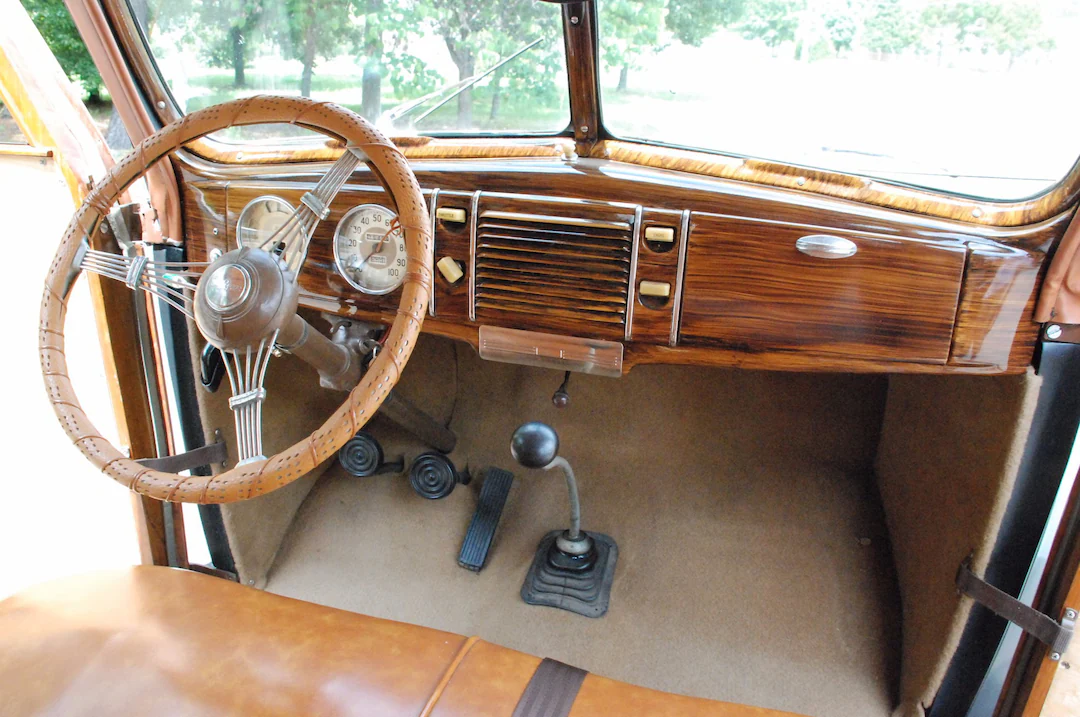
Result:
<point x="369" y="249"/>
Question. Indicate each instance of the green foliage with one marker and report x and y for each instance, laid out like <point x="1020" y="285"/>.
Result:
<point x="478" y="35"/>
<point x="841" y="28"/>
<point x="630" y="29"/>
<point x="55" y="25"/>
<point x="410" y="76"/>
<point x="692" y="21"/>
<point x="235" y="26"/>
<point x="891" y="27"/>
<point x="772" y="21"/>
<point x="1011" y="29"/>
<point x="318" y="29"/>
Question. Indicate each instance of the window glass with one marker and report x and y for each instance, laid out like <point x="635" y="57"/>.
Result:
<point x="974" y="97"/>
<point x="409" y="66"/>
<point x="9" y="130"/>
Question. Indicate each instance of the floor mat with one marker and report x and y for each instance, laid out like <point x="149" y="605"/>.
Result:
<point x="753" y="559"/>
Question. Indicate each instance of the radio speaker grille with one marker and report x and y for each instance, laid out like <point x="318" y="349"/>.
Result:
<point x="547" y="270"/>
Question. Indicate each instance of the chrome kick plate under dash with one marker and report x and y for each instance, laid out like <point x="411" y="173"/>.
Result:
<point x="564" y="353"/>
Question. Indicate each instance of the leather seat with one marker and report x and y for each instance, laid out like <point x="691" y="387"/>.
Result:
<point x="158" y="641"/>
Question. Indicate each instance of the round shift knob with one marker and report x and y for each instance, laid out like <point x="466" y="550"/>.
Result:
<point x="534" y="444"/>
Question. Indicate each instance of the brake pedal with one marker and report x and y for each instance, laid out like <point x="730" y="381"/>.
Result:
<point x="481" y="533"/>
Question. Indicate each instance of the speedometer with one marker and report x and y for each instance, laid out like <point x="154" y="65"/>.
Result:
<point x="261" y="219"/>
<point x="369" y="249"/>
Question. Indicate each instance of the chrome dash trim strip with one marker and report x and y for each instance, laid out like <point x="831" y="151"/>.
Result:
<point x="473" y="220"/>
<point x="434" y="247"/>
<point x="628" y="325"/>
<point x="676" y="305"/>
<point x="552" y="219"/>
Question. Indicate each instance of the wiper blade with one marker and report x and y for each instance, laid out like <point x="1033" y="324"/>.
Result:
<point x="457" y="88"/>
<point x="406" y="107"/>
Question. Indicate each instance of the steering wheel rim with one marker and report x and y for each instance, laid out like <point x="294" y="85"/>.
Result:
<point x="256" y="478"/>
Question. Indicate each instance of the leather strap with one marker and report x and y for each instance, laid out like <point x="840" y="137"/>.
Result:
<point x="551" y="691"/>
<point x="1039" y="625"/>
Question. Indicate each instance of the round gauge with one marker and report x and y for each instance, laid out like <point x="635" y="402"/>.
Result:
<point x="369" y="249"/>
<point x="260" y="219"/>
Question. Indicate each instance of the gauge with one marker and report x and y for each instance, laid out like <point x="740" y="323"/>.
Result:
<point x="261" y="219"/>
<point x="369" y="249"/>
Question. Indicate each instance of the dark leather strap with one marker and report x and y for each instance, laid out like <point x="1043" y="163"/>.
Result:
<point x="1039" y="625"/>
<point x="551" y="691"/>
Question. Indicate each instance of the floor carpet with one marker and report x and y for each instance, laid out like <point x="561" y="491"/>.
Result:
<point x="754" y="564"/>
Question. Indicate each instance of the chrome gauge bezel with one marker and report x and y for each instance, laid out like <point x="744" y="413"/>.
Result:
<point x="247" y="209"/>
<point x="337" y="259"/>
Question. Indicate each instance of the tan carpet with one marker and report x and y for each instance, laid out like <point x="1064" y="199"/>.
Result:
<point x="950" y="450"/>
<point x="754" y="563"/>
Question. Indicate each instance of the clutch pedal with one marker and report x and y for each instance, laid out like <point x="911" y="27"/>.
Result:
<point x="481" y="533"/>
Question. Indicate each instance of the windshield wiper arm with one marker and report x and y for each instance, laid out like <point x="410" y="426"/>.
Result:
<point x="461" y="85"/>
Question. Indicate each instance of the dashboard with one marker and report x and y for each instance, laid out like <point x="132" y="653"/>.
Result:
<point x="598" y="266"/>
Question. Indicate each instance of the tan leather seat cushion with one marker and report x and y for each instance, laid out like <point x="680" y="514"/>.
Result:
<point x="157" y="641"/>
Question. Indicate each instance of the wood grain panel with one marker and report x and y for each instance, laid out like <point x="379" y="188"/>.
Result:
<point x="652" y="319"/>
<point x="748" y="289"/>
<point x="994" y="325"/>
<point x="205" y="228"/>
<point x="848" y="186"/>
<point x="330" y="150"/>
<point x="983" y="315"/>
<point x="452" y="240"/>
<point x="651" y="187"/>
<point x="579" y="33"/>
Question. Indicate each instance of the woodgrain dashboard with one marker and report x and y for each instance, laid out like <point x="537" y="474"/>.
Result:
<point x="676" y="268"/>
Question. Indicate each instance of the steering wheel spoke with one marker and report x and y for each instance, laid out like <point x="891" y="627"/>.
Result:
<point x="295" y="234"/>
<point x="170" y="281"/>
<point x="246" y="369"/>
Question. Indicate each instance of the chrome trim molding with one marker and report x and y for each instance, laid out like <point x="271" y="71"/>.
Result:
<point x="473" y="220"/>
<point x="552" y="219"/>
<point x="628" y="325"/>
<point x="434" y="247"/>
<point x="558" y="199"/>
<point x="676" y="304"/>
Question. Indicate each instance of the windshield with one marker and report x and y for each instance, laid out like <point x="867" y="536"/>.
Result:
<point x="971" y="97"/>
<point x="409" y="66"/>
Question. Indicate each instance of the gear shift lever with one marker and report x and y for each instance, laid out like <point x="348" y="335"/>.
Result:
<point x="536" y="445"/>
<point x="573" y="569"/>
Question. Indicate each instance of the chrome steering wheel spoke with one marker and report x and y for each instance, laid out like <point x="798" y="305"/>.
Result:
<point x="294" y="235"/>
<point x="170" y="281"/>
<point x="246" y="369"/>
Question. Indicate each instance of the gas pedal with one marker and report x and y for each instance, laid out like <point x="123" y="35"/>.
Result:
<point x="481" y="533"/>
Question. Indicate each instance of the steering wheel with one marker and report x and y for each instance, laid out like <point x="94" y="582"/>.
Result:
<point x="242" y="301"/>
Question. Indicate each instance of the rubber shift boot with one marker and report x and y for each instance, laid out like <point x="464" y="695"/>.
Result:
<point x="586" y="592"/>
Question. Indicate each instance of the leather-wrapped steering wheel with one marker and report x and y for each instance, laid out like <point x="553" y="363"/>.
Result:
<point x="243" y="301"/>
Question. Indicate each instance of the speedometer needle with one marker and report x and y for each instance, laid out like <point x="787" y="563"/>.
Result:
<point x="378" y="247"/>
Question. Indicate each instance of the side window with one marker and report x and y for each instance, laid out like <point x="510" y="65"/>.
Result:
<point x="971" y="97"/>
<point x="410" y="66"/>
<point x="9" y="130"/>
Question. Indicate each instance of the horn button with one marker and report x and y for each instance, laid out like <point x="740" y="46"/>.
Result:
<point x="227" y="287"/>
<point x="244" y="297"/>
